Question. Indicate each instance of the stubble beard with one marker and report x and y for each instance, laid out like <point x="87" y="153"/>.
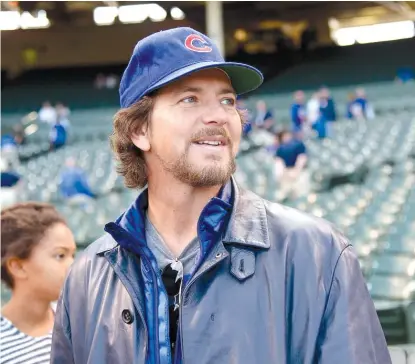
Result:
<point x="215" y="174"/>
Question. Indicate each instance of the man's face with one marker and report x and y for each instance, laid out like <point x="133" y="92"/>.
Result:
<point x="195" y="130"/>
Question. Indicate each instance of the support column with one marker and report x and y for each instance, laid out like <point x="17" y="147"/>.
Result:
<point x="214" y="24"/>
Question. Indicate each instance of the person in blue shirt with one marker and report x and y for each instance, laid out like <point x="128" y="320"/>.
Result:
<point x="361" y="100"/>
<point x="355" y="108"/>
<point x="291" y="160"/>
<point x="11" y="183"/>
<point x="327" y="105"/>
<point x="74" y="184"/>
<point x="57" y="136"/>
<point x="298" y="113"/>
<point x="405" y="74"/>
<point x="10" y="150"/>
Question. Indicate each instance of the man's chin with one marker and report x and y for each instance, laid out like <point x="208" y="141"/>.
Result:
<point x="208" y="175"/>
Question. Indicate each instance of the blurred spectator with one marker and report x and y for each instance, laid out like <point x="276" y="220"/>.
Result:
<point x="62" y="114"/>
<point x="47" y="113"/>
<point x="313" y="108"/>
<point x="362" y="102"/>
<point x="327" y="105"/>
<point x="74" y="185"/>
<point x="263" y="118"/>
<point x="298" y="112"/>
<point x="315" y="117"/>
<point x="10" y="150"/>
<point x="10" y="184"/>
<point x="353" y="109"/>
<point x="405" y="74"/>
<point x="37" y="249"/>
<point x="111" y="81"/>
<point x="57" y="136"/>
<point x="100" y="81"/>
<point x="19" y="134"/>
<point x="291" y="159"/>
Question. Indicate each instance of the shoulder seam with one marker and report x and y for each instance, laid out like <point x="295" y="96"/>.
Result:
<point x="334" y="271"/>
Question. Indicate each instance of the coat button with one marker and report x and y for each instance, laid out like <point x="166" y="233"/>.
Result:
<point x="127" y="317"/>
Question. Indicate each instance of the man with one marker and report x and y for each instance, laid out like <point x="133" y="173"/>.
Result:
<point x="328" y="107"/>
<point x="57" y="136"/>
<point x="198" y="270"/>
<point x="74" y="186"/>
<point x="291" y="159"/>
<point x="47" y="113"/>
<point x="298" y="113"/>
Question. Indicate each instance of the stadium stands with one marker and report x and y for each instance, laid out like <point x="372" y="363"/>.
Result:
<point x="362" y="181"/>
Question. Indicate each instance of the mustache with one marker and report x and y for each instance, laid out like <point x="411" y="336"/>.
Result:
<point x="207" y="132"/>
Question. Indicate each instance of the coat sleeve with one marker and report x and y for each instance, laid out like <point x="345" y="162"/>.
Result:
<point x="62" y="337"/>
<point x="350" y="332"/>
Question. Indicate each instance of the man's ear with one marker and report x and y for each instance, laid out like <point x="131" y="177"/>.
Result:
<point x="140" y="139"/>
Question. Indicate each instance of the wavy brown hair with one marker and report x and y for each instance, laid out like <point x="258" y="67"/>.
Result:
<point x="126" y="122"/>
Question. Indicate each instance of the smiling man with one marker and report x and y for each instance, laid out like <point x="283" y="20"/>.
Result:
<point x="199" y="270"/>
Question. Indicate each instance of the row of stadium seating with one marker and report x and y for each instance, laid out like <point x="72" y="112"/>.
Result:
<point x="362" y="181"/>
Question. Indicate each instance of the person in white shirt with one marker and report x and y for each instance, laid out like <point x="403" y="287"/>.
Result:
<point x="47" y="114"/>
<point x="37" y="250"/>
<point x="313" y="109"/>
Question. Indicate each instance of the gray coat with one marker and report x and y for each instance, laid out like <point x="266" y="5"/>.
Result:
<point x="279" y="287"/>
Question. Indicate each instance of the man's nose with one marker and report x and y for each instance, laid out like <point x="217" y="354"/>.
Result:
<point x="214" y="114"/>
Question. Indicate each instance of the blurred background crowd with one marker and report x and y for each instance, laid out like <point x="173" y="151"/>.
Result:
<point x="331" y="131"/>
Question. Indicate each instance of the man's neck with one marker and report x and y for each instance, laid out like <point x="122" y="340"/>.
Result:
<point x="174" y="209"/>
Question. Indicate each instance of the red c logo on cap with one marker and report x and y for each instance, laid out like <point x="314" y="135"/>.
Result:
<point x="189" y="44"/>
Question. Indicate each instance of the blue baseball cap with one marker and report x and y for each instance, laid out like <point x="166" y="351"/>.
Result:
<point x="166" y="56"/>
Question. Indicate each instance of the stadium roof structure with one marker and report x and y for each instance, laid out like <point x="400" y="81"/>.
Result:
<point x="80" y="12"/>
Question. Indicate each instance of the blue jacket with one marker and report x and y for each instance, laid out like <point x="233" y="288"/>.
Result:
<point x="274" y="286"/>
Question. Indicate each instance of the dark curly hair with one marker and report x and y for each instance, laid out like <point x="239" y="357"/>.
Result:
<point x="22" y="227"/>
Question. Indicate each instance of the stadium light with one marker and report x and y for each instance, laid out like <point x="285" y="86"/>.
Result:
<point x="386" y="32"/>
<point x="157" y="13"/>
<point x="139" y="13"/>
<point x="28" y="21"/>
<point x="12" y="20"/>
<point x="177" y="13"/>
<point x="105" y="15"/>
<point x="9" y="20"/>
<point x="374" y="33"/>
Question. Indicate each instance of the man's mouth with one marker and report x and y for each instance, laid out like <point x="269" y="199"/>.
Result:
<point x="214" y="140"/>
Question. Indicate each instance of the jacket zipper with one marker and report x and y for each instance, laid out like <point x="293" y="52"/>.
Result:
<point x="186" y="288"/>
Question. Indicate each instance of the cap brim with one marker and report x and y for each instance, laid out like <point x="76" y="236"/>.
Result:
<point x="244" y="78"/>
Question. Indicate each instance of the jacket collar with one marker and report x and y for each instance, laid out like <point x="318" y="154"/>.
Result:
<point x="247" y="225"/>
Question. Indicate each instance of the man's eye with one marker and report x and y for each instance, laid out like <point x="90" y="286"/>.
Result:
<point x="228" y="101"/>
<point x="189" y="100"/>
